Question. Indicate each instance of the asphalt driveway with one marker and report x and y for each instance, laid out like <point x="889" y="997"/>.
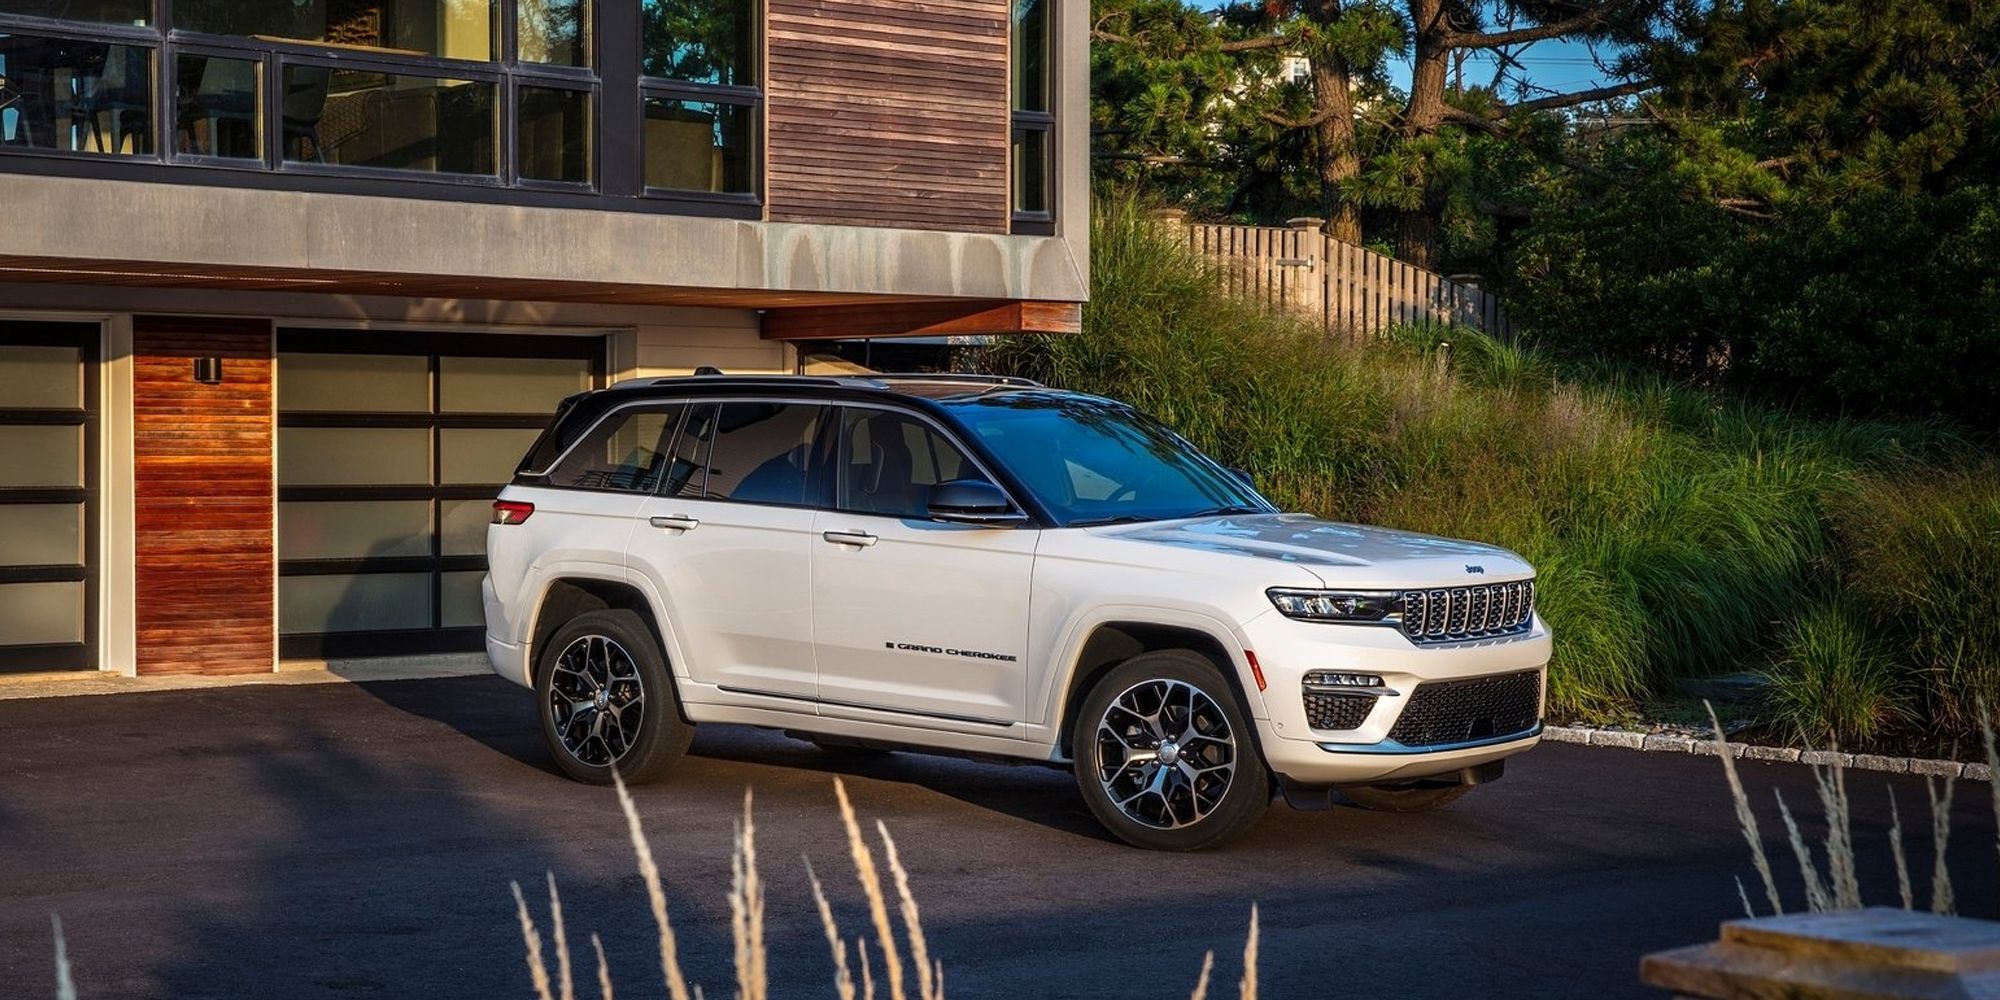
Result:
<point x="357" y="840"/>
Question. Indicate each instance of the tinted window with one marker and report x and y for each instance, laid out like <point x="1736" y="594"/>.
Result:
<point x="1095" y="461"/>
<point x="761" y="452"/>
<point x="888" y="462"/>
<point x="626" y="452"/>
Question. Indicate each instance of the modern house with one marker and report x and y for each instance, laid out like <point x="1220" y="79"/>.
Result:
<point x="287" y="286"/>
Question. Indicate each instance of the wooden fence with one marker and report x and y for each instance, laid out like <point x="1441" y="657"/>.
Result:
<point x="1349" y="289"/>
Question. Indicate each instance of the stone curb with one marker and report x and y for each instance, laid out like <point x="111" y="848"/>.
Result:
<point x="1674" y="743"/>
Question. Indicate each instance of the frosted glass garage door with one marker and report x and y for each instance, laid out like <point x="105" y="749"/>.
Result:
<point x="47" y="458"/>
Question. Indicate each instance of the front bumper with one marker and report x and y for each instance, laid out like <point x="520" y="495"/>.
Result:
<point x="1287" y="650"/>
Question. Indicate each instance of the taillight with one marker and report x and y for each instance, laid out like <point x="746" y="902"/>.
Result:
<point x="511" y="511"/>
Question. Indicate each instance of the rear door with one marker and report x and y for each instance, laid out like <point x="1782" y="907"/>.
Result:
<point x="912" y="616"/>
<point x="725" y="543"/>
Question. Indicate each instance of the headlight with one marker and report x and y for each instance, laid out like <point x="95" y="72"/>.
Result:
<point x="1358" y="606"/>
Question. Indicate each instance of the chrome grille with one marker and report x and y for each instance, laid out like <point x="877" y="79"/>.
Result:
<point x="1452" y="614"/>
<point x="1441" y="712"/>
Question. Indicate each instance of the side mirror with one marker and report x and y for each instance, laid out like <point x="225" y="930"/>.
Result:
<point x="971" y="501"/>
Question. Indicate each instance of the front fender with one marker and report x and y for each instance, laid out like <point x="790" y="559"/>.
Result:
<point x="1047" y="704"/>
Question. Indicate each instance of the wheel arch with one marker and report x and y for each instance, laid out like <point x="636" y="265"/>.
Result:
<point x="565" y="597"/>
<point x="1113" y="642"/>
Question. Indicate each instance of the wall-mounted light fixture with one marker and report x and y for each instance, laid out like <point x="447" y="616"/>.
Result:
<point x="208" y="371"/>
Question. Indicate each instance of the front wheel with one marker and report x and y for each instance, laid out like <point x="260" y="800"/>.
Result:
<point x="605" y="700"/>
<point x="1166" y="757"/>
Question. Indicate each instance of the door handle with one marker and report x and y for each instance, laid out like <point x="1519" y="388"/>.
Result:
<point x="860" y="538"/>
<point x="677" y="522"/>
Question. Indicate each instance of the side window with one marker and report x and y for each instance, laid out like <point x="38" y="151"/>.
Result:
<point x="761" y="452"/>
<point x="625" y="452"/>
<point x="887" y="463"/>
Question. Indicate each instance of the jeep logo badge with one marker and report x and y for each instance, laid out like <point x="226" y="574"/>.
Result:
<point x="1475" y="569"/>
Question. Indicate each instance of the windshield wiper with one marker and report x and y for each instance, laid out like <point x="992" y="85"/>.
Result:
<point x="1234" y="508"/>
<point x="1093" y="522"/>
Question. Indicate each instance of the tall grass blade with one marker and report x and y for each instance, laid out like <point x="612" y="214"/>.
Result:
<point x="538" y="973"/>
<point x="65" y="986"/>
<point x="1744" y="895"/>
<point x="603" y="969"/>
<point x="1992" y="764"/>
<point x="1943" y="899"/>
<point x="843" y="982"/>
<point x="1201" y="982"/>
<point x="1246" y="988"/>
<point x="871" y="885"/>
<point x="913" y="926"/>
<point x="1746" y="818"/>
<point x="1843" y="885"/>
<point x="566" y="985"/>
<point x="670" y="963"/>
<point x="1817" y="900"/>
<point x="1903" y="888"/>
<point x="867" y="978"/>
<point x="746" y="909"/>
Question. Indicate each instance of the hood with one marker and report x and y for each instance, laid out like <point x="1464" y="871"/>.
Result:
<point x="1350" y="556"/>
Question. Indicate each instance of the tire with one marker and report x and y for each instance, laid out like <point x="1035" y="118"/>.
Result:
<point x="597" y="669"/>
<point x="1174" y="699"/>
<point x="1403" y="798"/>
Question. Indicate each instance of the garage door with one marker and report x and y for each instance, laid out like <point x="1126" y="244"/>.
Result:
<point x="48" y="423"/>
<point x="391" y="447"/>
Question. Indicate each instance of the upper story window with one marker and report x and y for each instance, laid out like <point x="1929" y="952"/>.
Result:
<point x="562" y="98"/>
<point x="1034" y="120"/>
<point x="698" y="79"/>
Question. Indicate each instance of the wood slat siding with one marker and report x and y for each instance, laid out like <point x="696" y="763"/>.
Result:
<point x="888" y="113"/>
<point x="203" y="497"/>
<point x="1345" y="288"/>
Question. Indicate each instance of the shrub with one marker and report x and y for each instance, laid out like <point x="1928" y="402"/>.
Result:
<point x="1834" y="682"/>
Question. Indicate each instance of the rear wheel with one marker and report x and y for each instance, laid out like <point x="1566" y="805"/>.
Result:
<point x="1165" y="756"/>
<point x="1403" y="798"/>
<point x="606" y="702"/>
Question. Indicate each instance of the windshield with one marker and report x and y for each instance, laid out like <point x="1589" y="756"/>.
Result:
<point x="1093" y="461"/>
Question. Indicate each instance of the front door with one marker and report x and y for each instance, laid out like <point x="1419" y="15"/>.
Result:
<point x="912" y="616"/>
<point x="724" y="544"/>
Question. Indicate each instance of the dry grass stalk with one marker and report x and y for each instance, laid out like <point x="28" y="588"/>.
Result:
<point x="65" y="986"/>
<point x="1844" y="886"/>
<point x="603" y="968"/>
<point x="746" y="909"/>
<point x="1903" y="888"/>
<point x="670" y="965"/>
<point x="1745" y="817"/>
<point x="556" y="930"/>
<point x="1744" y="895"/>
<point x="538" y="972"/>
<point x="867" y="980"/>
<point x="1942" y="897"/>
<point x="1992" y="765"/>
<point x="1817" y="900"/>
<point x="1246" y="988"/>
<point x="843" y="981"/>
<point x="1201" y="982"/>
<point x="920" y="955"/>
<point x="871" y="885"/>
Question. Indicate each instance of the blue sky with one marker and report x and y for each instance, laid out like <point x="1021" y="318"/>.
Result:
<point x="1556" y="64"/>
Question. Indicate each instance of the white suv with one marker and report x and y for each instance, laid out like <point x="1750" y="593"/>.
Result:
<point x="987" y="567"/>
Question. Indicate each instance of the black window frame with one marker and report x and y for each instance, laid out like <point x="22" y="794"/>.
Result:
<point x="612" y="80"/>
<point x="1023" y="121"/>
<point x="438" y="638"/>
<point x="86" y="338"/>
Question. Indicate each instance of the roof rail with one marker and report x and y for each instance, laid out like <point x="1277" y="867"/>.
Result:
<point x="952" y="377"/>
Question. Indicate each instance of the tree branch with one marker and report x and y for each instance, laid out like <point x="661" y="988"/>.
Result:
<point x="1584" y="21"/>
<point x="1579" y="97"/>
<point x="1260" y="42"/>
